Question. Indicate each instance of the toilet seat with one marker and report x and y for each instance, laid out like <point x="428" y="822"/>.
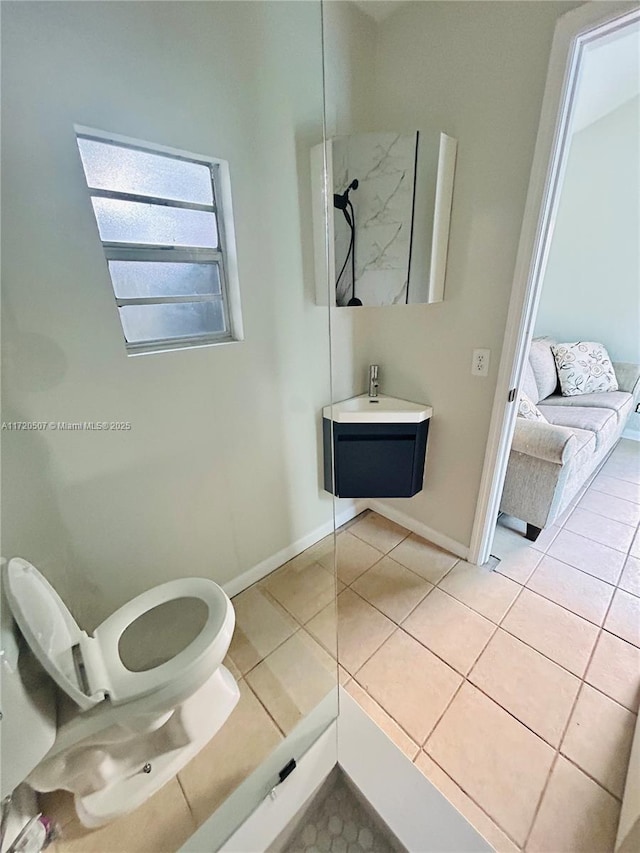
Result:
<point x="89" y="669"/>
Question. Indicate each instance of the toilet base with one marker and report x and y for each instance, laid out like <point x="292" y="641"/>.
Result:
<point x="201" y="716"/>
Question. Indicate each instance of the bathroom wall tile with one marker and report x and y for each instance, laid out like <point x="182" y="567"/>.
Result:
<point x="383" y="720"/>
<point x="599" y="738"/>
<point x="303" y="589"/>
<point x="485" y="591"/>
<point x="354" y="556"/>
<point x="245" y="740"/>
<point x="557" y="633"/>
<point x="494" y="758"/>
<point x="619" y="488"/>
<point x="630" y="579"/>
<point x="452" y="630"/>
<point x="161" y="825"/>
<point x="612" y="507"/>
<point x="391" y="588"/>
<point x="579" y="592"/>
<point x="588" y="556"/>
<point x="465" y="805"/>
<point x="416" y="703"/>
<point x="379" y="532"/>
<point x="293" y="679"/>
<point x="600" y="529"/>
<point x="575" y="814"/>
<point x="261" y="626"/>
<point x="615" y="670"/>
<point x="535" y="690"/>
<point x="623" y="618"/>
<point x="424" y="558"/>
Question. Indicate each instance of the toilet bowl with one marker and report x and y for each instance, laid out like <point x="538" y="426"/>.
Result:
<point x="139" y="698"/>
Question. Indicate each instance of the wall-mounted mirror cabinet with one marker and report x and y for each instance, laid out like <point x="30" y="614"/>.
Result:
<point x="387" y="202"/>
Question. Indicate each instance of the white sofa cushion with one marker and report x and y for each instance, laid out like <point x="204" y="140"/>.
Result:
<point x="584" y="367"/>
<point x="602" y="422"/>
<point x="619" y="401"/>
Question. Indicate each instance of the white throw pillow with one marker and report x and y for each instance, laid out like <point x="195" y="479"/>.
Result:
<point x="528" y="409"/>
<point x="584" y="367"/>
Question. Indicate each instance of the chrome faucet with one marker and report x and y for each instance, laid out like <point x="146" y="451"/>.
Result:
<point x="373" y="380"/>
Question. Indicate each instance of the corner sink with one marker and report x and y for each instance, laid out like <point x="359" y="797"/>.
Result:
<point x="377" y="410"/>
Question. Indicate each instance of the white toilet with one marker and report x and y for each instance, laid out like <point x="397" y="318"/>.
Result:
<point x="140" y="697"/>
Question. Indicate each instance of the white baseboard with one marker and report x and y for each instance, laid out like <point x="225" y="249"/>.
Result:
<point x="345" y="514"/>
<point x="265" y="567"/>
<point x="411" y="806"/>
<point x="418" y="527"/>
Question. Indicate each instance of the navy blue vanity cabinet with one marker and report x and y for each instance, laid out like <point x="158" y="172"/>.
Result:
<point x="376" y="459"/>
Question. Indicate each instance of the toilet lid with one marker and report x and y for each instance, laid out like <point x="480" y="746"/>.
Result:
<point x="89" y="668"/>
<point x="48" y="627"/>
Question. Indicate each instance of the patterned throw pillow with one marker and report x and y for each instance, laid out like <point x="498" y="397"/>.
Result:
<point x="528" y="409"/>
<point x="584" y="367"/>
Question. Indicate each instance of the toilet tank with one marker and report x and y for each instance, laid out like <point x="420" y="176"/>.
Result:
<point x="27" y="703"/>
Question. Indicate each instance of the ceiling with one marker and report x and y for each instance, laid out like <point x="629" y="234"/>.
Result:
<point x="609" y="76"/>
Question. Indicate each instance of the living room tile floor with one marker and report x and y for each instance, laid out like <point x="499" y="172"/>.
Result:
<point x="515" y="690"/>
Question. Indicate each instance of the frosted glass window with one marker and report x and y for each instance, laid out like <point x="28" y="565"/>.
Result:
<point x="158" y="217"/>
<point x="134" y="222"/>
<point x="115" y="167"/>
<point x="138" y="279"/>
<point x="162" y="322"/>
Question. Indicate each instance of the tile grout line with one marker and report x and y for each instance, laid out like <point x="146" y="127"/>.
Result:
<point x="186" y="799"/>
<point x="581" y="679"/>
<point x="266" y="710"/>
<point x="565" y="729"/>
<point x="610" y="494"/>
<point x="470" y="798"/>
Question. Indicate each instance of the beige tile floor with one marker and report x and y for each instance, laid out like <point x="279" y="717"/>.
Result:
<point x="283" y="672"/>
<point x="516" y="690"/>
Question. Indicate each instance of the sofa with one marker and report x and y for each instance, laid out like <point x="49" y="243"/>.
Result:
<point x="551" y="460"/>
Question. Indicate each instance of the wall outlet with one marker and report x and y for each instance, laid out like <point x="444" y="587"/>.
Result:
<point x="480" y="362"/>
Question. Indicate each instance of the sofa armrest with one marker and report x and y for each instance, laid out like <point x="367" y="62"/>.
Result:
<point x="628" y="376"/>
<point x="546" y="441"/>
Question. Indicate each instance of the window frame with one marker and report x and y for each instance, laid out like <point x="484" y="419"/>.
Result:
<point x="223" y="256"/>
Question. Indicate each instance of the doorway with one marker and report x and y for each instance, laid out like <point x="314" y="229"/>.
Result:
<point x="576" y="35"/>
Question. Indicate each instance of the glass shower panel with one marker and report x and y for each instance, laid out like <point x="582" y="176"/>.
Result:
<point x="219" y="472"/>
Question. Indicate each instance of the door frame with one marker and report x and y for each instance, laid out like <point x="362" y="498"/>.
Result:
<point x="574" y="32"/>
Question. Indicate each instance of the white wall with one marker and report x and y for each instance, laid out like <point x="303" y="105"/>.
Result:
<point x="591" y="289"/>
<point x="222" y="467"/>
<point x="475" y="70"/>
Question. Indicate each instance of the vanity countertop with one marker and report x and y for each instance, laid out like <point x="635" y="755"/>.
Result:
<point x="377" y="410"/>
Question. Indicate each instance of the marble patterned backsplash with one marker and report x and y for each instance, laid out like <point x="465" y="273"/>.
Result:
<point x="384" y="165"/>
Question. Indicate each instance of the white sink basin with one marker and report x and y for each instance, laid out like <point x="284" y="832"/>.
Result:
<point x="377" y="410"/>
